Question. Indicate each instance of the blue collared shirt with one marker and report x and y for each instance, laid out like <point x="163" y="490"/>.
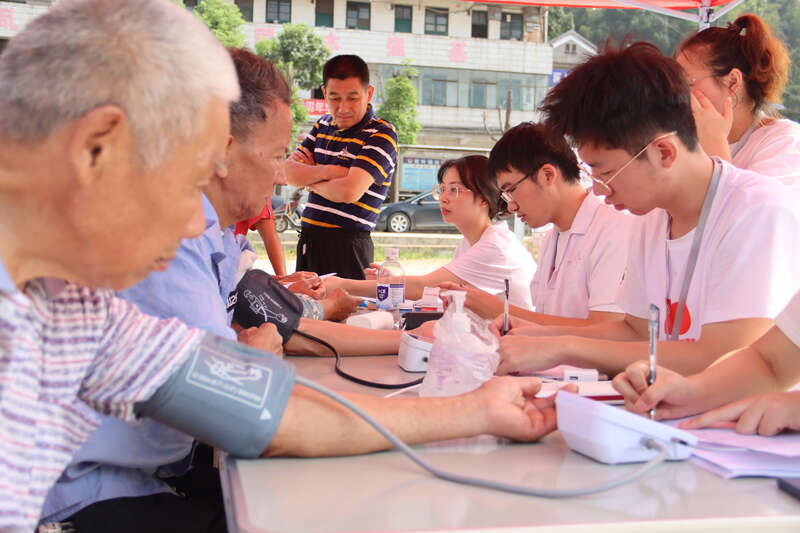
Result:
<point x="120" y="459"/>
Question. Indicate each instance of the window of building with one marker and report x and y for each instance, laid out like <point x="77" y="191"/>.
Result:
<point x="483" y="94"/>
<point x="402" y="19"/>
<point x="3" y="43"/>
<point x="279" y="11"/>
<point x="190" y="4"/>
<point x="246" y="7"/>
<point x="480" y="24"/>
<point x="436" y="20"/>
<point x="572" y="48"/>
<point x="511" y="26"/>
<point x="358" y="15"/>
<point x="445" y="93"/>
<point x="323" y="12"/>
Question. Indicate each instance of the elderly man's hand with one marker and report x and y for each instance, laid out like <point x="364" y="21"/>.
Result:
<point x="265" y="337"/>
<point x="312" y="287"/>
<point x="672" y="395"/>
<point x="339" y="305"/>
<point x="296" y="276"/>
<point x="510" y="409"/>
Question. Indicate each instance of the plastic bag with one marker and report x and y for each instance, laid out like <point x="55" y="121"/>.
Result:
<point x="464" y="353"/>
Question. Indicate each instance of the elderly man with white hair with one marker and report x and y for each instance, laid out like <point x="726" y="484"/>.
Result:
<point x="113" y="118"/>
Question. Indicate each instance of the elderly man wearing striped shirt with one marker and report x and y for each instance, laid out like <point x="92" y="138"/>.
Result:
<point x="347" y="161"/>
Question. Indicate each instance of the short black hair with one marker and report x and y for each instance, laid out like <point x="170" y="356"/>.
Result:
<point x="261" y="85"/>
<point x="622" y="98"/>
<point x="528" y="146"/>
<point x="345" y="66"/>
<point x="473" y="170"/>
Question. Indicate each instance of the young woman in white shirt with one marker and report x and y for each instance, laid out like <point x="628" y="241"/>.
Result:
<point x="736" y="75"/>
<point x="488" y="254"/>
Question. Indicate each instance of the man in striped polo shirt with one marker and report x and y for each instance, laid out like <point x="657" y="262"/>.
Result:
<point x="347" y="161"/>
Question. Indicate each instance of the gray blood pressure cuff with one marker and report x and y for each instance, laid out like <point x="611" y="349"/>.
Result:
<point x="260" y="298"/>
<point x="227" y="395"/>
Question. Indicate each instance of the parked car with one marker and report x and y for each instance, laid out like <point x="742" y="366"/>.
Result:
<point x="418" y="213"/>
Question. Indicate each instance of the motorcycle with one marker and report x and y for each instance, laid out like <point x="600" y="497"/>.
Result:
<point x="288" y="215"/>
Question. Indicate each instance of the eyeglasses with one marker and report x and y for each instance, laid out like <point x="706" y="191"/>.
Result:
<point x="451" y="190"/>
<point x="691" y="81"/>
<point x="508" y="194"/>
<point x="605" y="184"/>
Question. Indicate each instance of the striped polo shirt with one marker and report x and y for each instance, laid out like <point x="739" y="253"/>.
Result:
<point x="370" y="145"/>
<point x="65" y="352"/>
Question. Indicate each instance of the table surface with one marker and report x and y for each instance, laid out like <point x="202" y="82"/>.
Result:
<point x="387" y="492"/>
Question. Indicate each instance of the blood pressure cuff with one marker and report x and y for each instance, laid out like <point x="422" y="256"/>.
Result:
<point x="260" y="298"/>
<point x="227" y="395"/>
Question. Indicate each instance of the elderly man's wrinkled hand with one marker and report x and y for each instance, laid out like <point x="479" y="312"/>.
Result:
<point x="265" y="337"/>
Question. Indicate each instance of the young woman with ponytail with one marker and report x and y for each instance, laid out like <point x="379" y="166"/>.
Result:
<point x="737" y="75"/>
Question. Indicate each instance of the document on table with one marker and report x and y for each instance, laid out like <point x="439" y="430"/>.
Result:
<point x="777" y="456"/>
<point x="597" y="390"/>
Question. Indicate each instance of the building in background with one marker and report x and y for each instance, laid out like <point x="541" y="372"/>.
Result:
<point x="569" y="50"/>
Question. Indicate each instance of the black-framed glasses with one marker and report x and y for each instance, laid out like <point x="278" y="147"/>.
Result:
<point x="508" y="194"/>
<point x="451" y="190"/>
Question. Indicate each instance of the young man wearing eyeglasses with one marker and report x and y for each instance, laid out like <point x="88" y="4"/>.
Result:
<point x="581" y="259"/>
<point x="629" y="113"/>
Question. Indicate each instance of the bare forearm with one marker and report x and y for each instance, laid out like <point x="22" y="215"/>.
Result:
<point x="302" y="175"/>
<point x="348" y="340"/>
<point x="314" y="425"/>
<point x="553" y="320"/>
<point x="358" y="287"/>
<point x="616" y="330"/>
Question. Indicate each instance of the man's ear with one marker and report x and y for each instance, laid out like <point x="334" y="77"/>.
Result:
<point x="324" y="92"/>
<point x="100" y="140"/>
<point x="546" y="174"/>
<point x="370" y="91"/>
<point x="667" y="150"/>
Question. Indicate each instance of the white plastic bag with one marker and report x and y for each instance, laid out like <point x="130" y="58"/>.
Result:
<point x="464" y="353"/>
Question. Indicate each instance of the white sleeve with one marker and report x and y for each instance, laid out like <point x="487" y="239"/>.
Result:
<point x="632" y="294"/>
<point x="479" y="266"/>
<point x="788" y="321"/>
<point x="608" y="259"/>
<point x="776" y="156"/>
<point x="754" y="269"/>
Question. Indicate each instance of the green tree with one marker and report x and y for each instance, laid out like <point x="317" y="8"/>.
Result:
<point x="400" y="105"/>
<point x="224" y="19"/>
<point x="559" y="20"/>
<point x="299" y="52"/>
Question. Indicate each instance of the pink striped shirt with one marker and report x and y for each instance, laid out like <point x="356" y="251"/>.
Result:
<point x="66" y="352"/>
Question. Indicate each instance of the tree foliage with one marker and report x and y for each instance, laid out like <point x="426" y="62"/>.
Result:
<point x="400" y="105"/>
<point x="299" y="52"/>
<point x="224" y="19"/>
<point x="599" y="25"/>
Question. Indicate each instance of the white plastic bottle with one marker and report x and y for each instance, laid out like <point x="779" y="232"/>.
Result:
<point x="391" y="282"/>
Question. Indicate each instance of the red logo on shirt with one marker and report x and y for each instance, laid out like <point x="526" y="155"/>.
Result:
<point x="672" y="310"/>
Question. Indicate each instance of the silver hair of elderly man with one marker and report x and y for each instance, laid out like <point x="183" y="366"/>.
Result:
<point x="152" y="58"/>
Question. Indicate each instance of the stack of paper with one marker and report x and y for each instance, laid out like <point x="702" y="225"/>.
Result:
<point x="750" y="455"/>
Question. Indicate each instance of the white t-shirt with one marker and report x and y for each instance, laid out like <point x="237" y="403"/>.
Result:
<point x="580" y="269"/>
<point x="498" y="255"/>
<point x="748" y="263"/>
<point x="789" y="320"/>
<point x="772" y="150"/>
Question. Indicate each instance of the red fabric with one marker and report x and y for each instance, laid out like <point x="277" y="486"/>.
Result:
<point x="246" y="225"/>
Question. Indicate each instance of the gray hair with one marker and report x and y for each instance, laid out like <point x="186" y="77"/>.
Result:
<point x="152" y="58"/>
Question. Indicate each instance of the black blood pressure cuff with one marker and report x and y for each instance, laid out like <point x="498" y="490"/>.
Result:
<point x="260" y="298"/>
<point x="227" y="395"/>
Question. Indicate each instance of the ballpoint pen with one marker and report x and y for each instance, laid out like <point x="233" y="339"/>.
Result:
<point x="653" y="328"/>
<point x="505" y="310"/>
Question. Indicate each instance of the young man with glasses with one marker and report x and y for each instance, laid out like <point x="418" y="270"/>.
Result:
<point x="581" y="259"/>
<point x="714" y="247"/>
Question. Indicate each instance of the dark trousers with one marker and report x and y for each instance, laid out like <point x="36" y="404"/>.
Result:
<point x="199" y="509"/>
<point x="325" y="250"/>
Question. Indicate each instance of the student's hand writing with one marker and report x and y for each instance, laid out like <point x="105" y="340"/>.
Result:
<point x="672" y="395"/>
<point x="518" y="326"/>
<point x="713" y="127"/>
<point x="511" y="410"/>
<point x="520" y="354"/>
<point x="479" y="302"/>
<point x="765" y="414"/>
<point x="264" y="337"/>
